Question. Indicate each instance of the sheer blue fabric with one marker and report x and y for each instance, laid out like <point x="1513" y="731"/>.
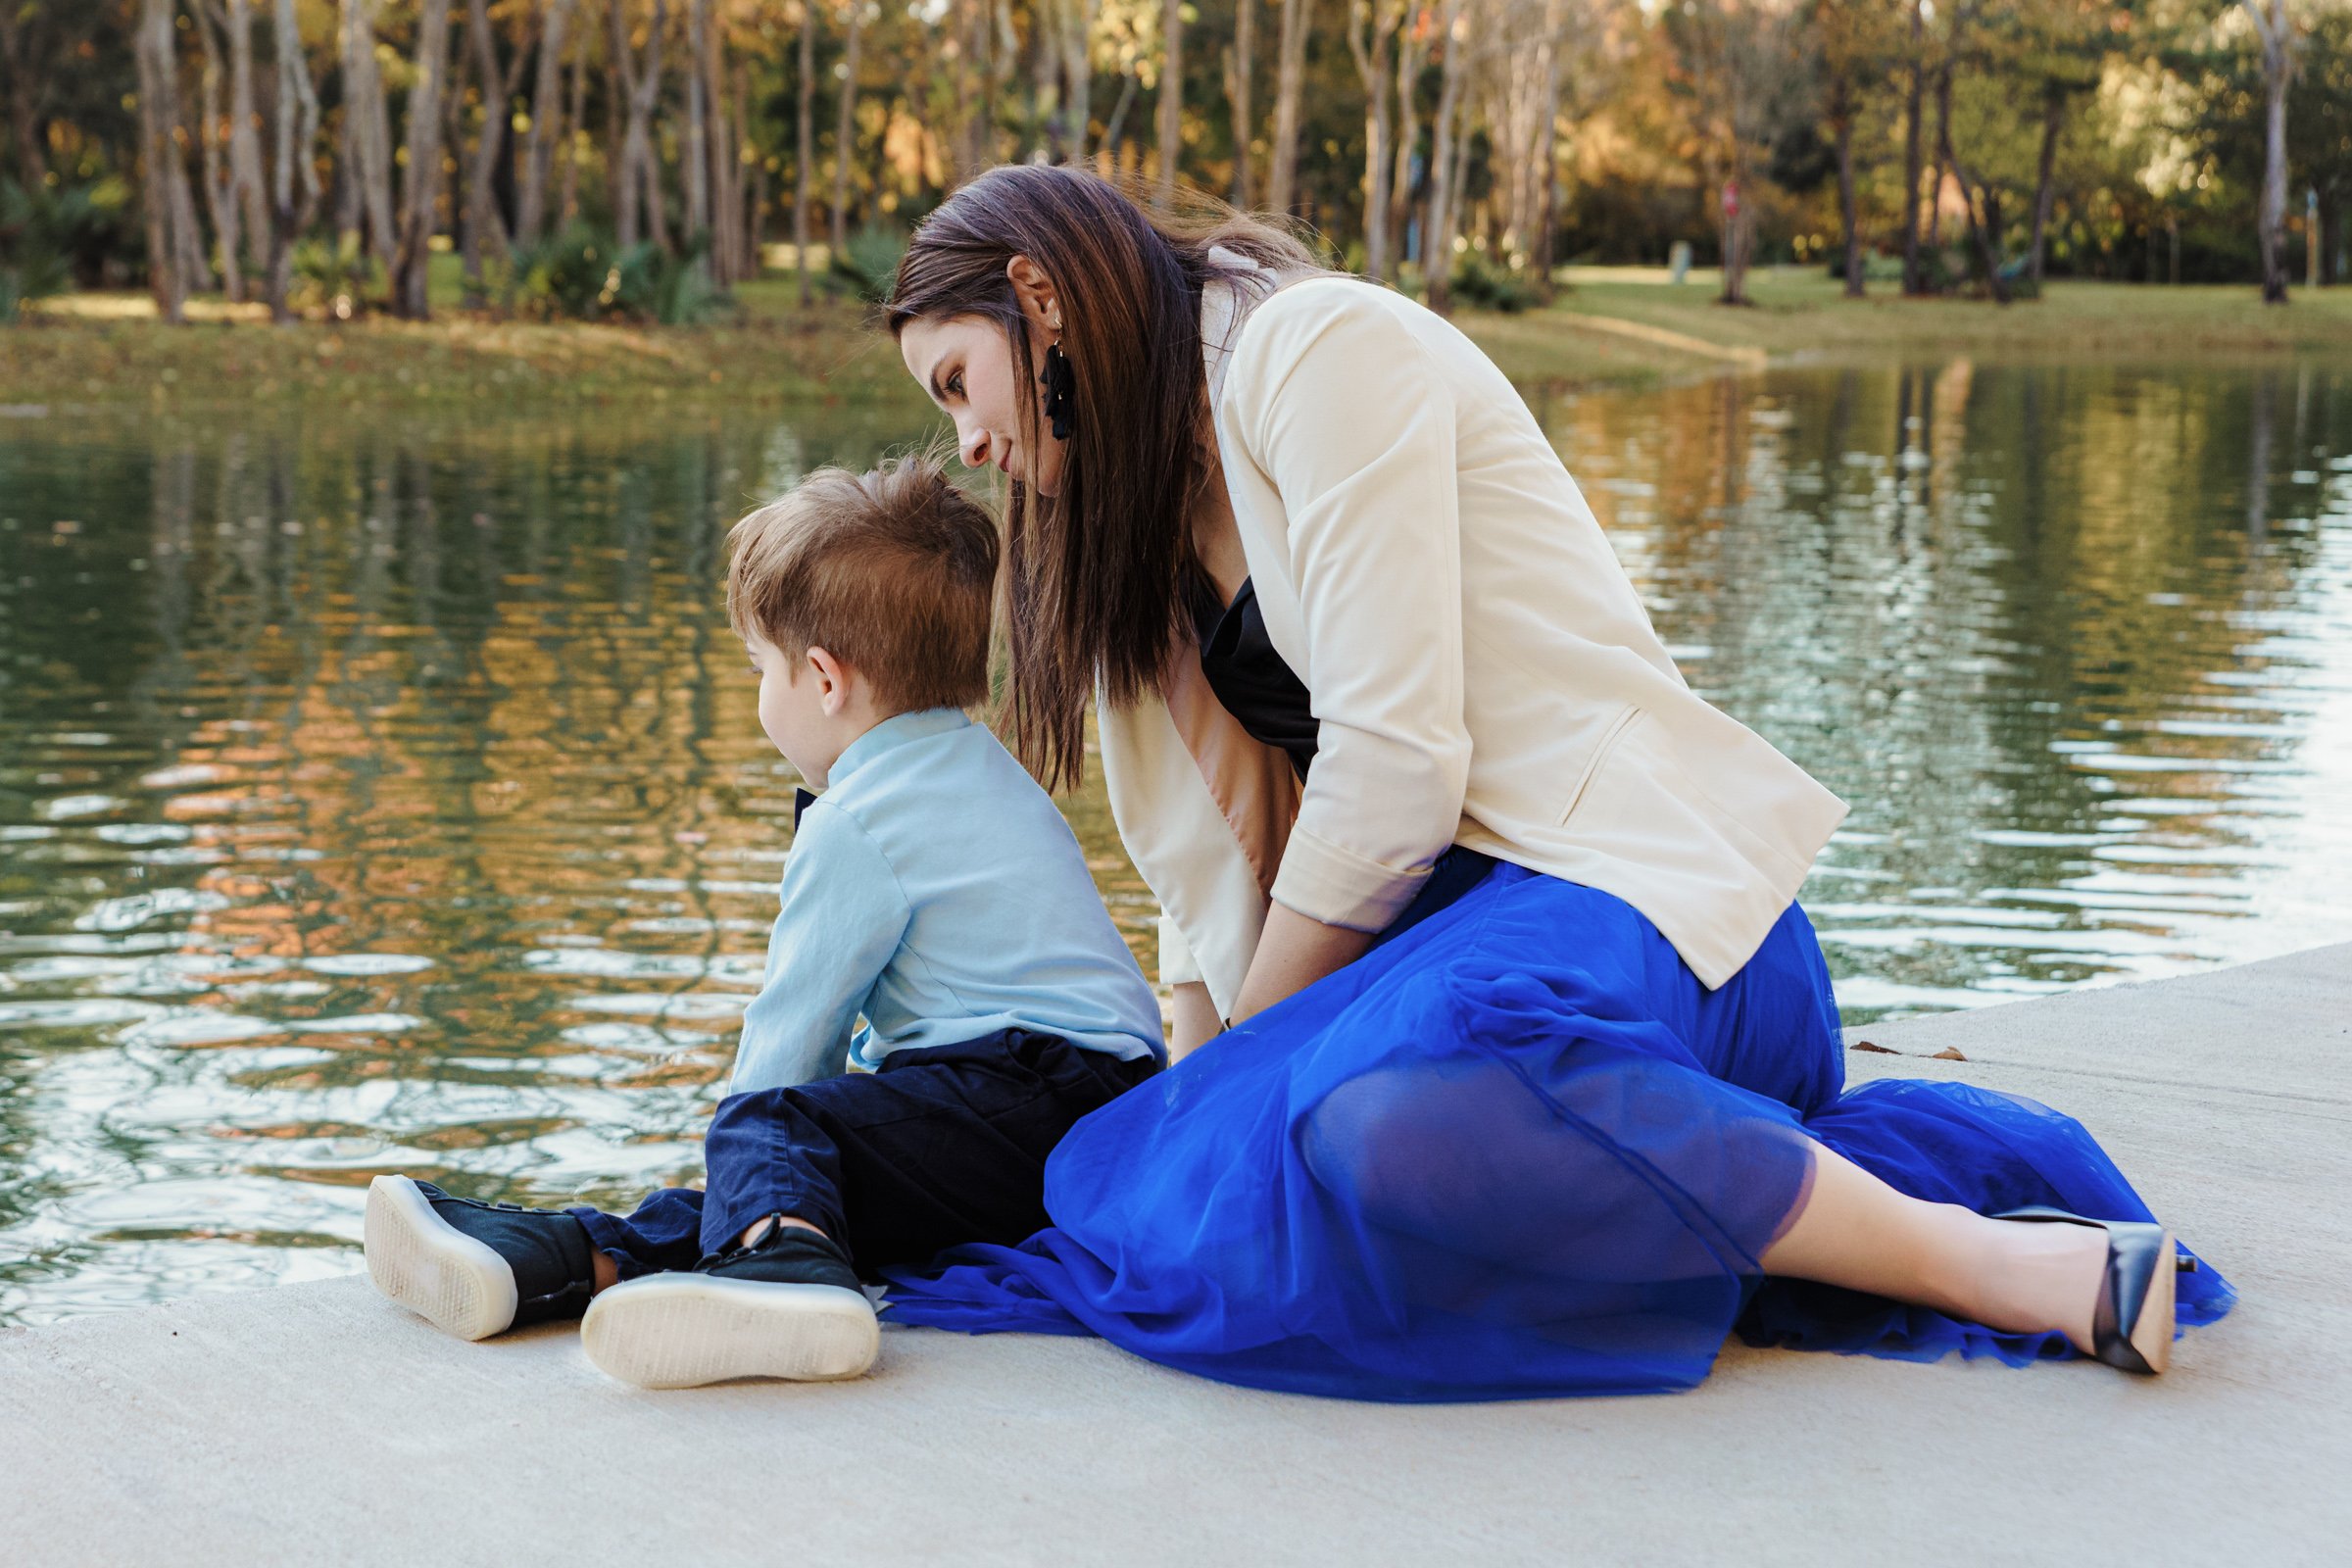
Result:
<point x="1516" y="1151"/>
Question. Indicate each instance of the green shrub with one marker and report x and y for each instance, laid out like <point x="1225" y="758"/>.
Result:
<point x="868" y="261"/>
<point x="1480" y="280"/>
<point x="333" y="275"/>
<point x="582" y="275"/>
<point x="36" y="232"/>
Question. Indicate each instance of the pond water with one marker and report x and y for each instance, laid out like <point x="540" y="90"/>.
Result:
<point x="383" y="794"/>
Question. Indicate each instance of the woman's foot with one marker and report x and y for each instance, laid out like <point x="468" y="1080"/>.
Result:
<point x="2130" y="1320"/>
<point x="474" y="1269"/>
<point x="786" y="1305"/>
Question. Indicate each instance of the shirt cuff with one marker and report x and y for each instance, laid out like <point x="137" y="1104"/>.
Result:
<point x="1177" y="965"/>
<point x="1337" y="886"/>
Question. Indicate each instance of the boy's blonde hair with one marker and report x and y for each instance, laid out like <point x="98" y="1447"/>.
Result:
<point x="892" y="571"/>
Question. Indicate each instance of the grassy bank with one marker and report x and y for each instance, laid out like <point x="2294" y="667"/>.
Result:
<point x="1610" y="326"/>
<point x="1803" y="313"/>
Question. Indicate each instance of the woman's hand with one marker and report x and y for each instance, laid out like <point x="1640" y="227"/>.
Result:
<point x="1197" y="1020"/>
<point x="1294" y="951"/>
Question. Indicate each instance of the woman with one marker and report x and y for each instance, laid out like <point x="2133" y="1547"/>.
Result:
<point x="1526" y="1072"/>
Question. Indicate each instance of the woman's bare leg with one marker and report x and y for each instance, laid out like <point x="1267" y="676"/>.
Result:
<point x="1856" y="1231"/>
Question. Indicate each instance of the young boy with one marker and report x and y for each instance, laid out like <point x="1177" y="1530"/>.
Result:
<point x="934" y="889"/>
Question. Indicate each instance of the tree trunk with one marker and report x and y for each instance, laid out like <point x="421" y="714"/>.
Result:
<point x="1539" y="251"/>
<point x="547" y="125"/>
<point x="1947" y="156"/>
<point x="1171" y="99"/>
<point x="1848" y="214"/>
<point x="1436" y="265"/>
<point x="726" y="162"/>
<point x="1373" y="18"/>
<point x="637" y="183"/>
<point x="1240" y="67"/>
<point x="483" y="227"/>
<point x="368" y="130"/>
<point x="421" y="182"/>
<point x="157" y="113"/>
<point x="747" y="206"/>
<point x="26" y="124"/>
<point x="1078" y="71"/>
<point x="1282" y="174"/>
<point x="1914" y="276"/>
<point x="2045" y="187"/>
<point x="845" y="129"/>
<point x="1408" y="140"/>
<point x="220" y="179"/>
<point x="245" y="130"/>
<point x="297" y="130"/>
<point x="568" y="204"/>
<point x="694" y="152"/>
<point x="804" y="129"/>
<point x="2278" y="65"/>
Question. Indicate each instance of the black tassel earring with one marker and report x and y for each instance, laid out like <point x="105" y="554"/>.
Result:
<point x="1062" y="391"/>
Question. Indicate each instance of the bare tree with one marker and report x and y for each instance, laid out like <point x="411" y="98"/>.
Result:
<point x="482" y="227"/>
<point x="1546" y="216"/>
<point x="159" y="113"/>
<point x="1914" y="276"/>
<point x="1171" y="98"/>
<point x="26" y="91"/>
<point x="2276" y="32"/>
<point x="568" y="204"/>
<point x="245" y="123"/>
<point x="1371" y="27"/>
<point x="420" y="181"/>
<point x="1412" y="47"/>
<point x="547" y="127"/>
<point x="1240" y="60"/>
<point x="219" y="178"/>
<point x="637" y="177"/>
<point x="297" y="132"/>
<point x="694" y="156"/>
<point x="845" y="129"/>
<point x="1077" y="74"/>
<point x="806" y="128"/>
<point x="1436" y="265"/>
<point x="723" y="147"/>
<point x="366" y="134"/>
<point x="1282" y="173"/>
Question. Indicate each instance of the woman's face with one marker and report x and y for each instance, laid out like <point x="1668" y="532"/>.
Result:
<point x="966" y="365"/>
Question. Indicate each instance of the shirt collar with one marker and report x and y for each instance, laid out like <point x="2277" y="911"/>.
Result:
<point x="898" y="730"/>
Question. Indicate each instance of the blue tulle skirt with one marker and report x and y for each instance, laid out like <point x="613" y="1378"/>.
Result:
<point x="1518" y="1150"/>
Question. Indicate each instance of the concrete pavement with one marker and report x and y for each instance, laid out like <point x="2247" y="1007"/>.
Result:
<point x="319" y="1424"/>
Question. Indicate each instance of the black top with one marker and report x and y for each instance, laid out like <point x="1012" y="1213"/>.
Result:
<point x="1253" y="682"/>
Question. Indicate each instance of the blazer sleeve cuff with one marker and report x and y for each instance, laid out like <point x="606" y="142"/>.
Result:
<point x="1177" y="965"/>
<point x="1327" y="882"/>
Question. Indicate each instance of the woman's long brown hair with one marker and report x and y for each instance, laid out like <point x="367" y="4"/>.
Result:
<point x="1095" y="576"/>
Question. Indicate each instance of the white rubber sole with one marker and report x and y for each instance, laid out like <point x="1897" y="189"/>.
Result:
<point x="678" y="1331"/>
<point x="2152" y="1331"/>
<point x="444" y="1276"/>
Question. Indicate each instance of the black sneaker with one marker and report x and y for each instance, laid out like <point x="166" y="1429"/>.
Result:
<point x="475" y="1270"/>
<point x="788" y="1305"/>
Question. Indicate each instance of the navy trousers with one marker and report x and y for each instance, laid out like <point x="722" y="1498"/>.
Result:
<point x="934" y="1149"/>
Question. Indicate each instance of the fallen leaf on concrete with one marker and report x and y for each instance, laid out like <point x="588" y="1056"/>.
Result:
<point x="1948" y="1054"/>
<point x="1867" y="1045"/>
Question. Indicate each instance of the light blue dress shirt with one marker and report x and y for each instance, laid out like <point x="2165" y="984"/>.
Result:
<point x="935" y="888"/>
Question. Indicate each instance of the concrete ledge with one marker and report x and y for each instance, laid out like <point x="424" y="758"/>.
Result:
<point x="319" y="1424"/>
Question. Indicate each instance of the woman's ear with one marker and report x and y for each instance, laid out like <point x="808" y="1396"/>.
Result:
<point x="1040" y="300"/>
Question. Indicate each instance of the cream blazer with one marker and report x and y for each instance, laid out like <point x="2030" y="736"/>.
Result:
<point x="1482" y="672"/>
